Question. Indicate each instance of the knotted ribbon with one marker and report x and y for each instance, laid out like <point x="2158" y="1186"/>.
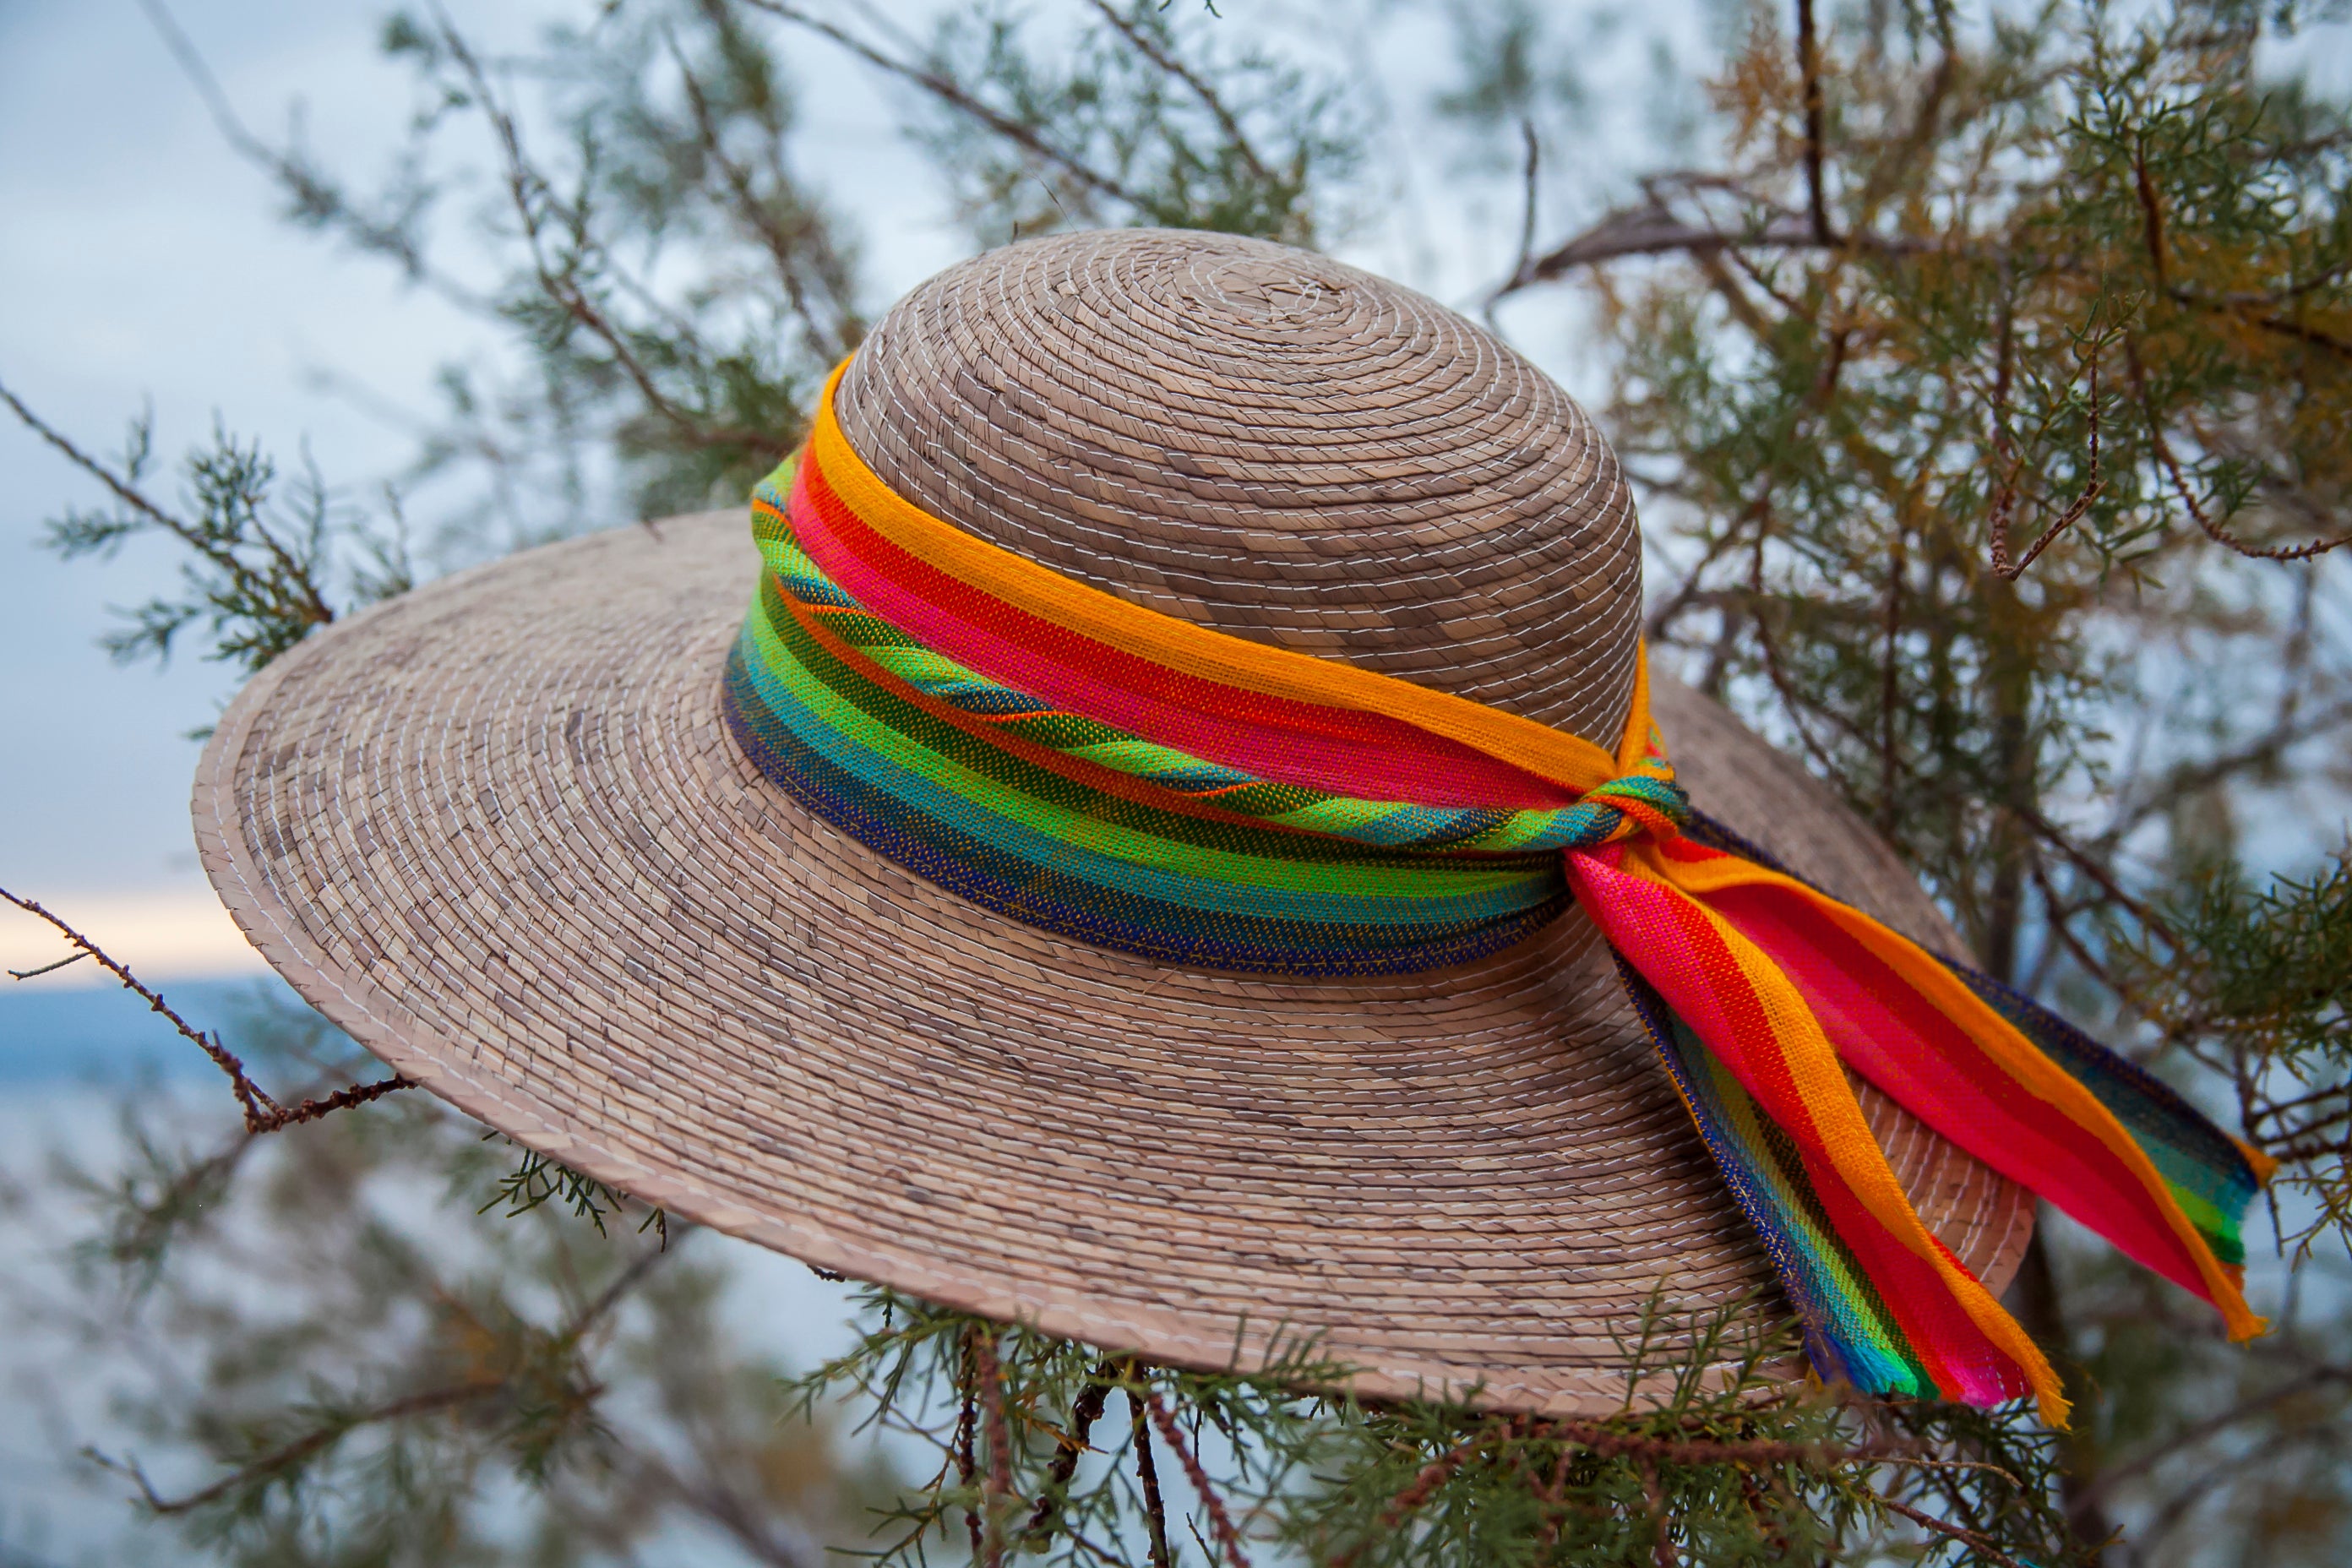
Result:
<point x="1066" y="757"/>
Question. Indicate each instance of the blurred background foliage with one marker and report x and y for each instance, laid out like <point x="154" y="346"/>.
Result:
<point x="1985" y="374"/>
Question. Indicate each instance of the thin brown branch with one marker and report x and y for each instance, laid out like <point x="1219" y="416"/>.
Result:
<point x="1220" y="1524"/>
<point x="262" y="1114"/>
<point x="955" y="98"/>
<point x="1084" y="1411"/>
<point x="342" y="1099"/>
<point x="1517" y="278"/>
<point x="47" y="968"/>
<point x="612" y="1295"/>
<point x="2082" y="503"/>
<point x="1808" y="71"/>
<point x="2304" y="333"/>
<point x="312" y="195"/>
<point x="308" y="605"/>
<point x="1147" y="1475"/>
<point x="2088" y="864"/>
<point x="2061" y="926"/>
<point x="2303" y="1150"/>
<point x="2182" y="783"/>
<point x="1726" y="284"/>
<point x="2151" y="218"/>
<point x="2171" y="466"/>
<point x="2288" y="1106"/>
<point x="525" y="188"/>
<point x="998" y="1497"/>
<point x="2198" y="1487"/>
<point x="1944" y="1528"/>
<point x="2189" y="1436"/>
<point x="782" y="247"/>
<point x="279" y="1460"/>
<point x="1149" y="48"/>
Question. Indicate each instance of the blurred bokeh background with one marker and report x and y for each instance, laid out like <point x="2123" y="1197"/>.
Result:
<point x="150" y="266"/>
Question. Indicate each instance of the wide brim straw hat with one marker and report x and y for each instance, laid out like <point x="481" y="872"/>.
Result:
<point x="500" y="831"/>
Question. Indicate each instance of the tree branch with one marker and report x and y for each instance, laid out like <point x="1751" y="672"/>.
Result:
<point x="313" y="195"/>
<point x="1147" y="1475"/>
<point x="281" y="1459"/>
<point x="262" y="1114"/>
<point x="1220" y="1524"/>
<point x="521" y="182"/>
<point x="1151" y="50"/>
<point x="1808" y="71"/>
<point x="307" y="605"/>
<point x="956" y="99"/>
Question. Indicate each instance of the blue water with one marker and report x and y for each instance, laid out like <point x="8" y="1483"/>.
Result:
<point x="107" y="1035"/>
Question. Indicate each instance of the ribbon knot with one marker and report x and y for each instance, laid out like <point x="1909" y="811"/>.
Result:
<point x="1647" y="800"/>
<point x="1626" y="806"/>
<point x="1125" y="778"/>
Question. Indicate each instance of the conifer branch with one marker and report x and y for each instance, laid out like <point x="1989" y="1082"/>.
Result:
<point x="1229" y="1541"/>
<point x="1170" y="65"/>
<point x="947" y="93"/>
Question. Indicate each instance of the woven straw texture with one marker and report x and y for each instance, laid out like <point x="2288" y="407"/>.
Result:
<point x="497" y="830"/>
<point x="1265" y="441"/>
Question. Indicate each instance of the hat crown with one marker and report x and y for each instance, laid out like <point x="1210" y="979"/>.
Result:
<point x="1269" y="443"/>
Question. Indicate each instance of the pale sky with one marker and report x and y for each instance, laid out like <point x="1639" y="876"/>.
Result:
<point x="142" y="261"/>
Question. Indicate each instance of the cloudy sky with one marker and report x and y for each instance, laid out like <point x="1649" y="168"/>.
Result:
<point x="144" y="264"/>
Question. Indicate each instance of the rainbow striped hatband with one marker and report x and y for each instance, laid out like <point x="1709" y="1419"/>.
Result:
<point x="1063" y="757"/>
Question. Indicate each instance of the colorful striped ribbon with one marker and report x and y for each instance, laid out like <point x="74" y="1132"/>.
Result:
<point x="1065" y="757"/>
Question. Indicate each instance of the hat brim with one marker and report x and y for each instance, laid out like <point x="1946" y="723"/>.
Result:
<point x="498" y="831"/>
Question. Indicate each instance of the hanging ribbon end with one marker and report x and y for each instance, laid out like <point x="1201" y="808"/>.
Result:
<point x="2261" y="1164"/>
<point x="2054" y="1408"/>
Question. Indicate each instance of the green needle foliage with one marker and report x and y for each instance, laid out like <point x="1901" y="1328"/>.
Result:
<point x="1052" y="1449"/>
<point x="1986" y="377"/>
<point x="414" y="1382"/>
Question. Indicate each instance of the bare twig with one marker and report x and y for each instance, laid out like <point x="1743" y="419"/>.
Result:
<point x="2181" y="782"/>
<point x="47" y="968"/>
<point x="1220" y="1524"/>
<point x="1944" y="1528"/>
<point x="1808" y="71"/>
<point x="262" y="1114"/>
<point x="1147" y="1475"/>
<point x="2088" y="864"/>
<point x="2304" y="1382"/>
<point x="279" y="1460"/>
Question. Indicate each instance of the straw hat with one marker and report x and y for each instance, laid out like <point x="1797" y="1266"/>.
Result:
<point x="497" y="830"/>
